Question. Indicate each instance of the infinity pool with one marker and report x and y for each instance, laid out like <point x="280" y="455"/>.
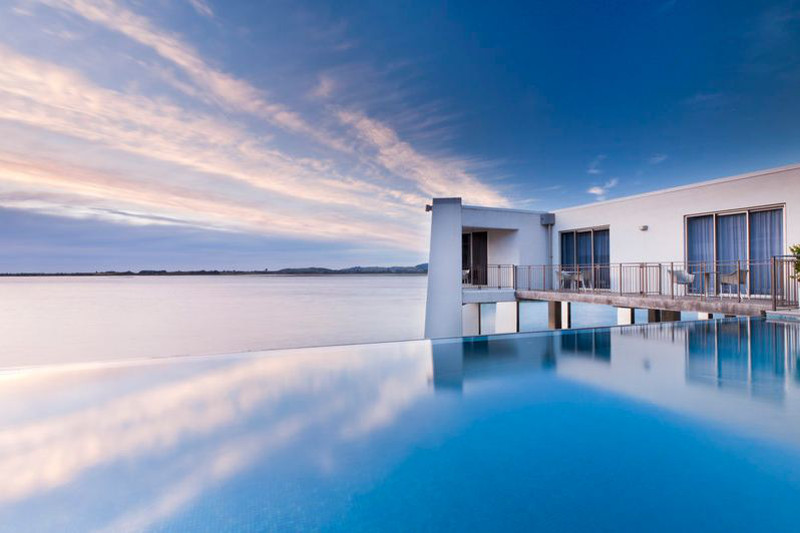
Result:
<point x="665" y="427"/>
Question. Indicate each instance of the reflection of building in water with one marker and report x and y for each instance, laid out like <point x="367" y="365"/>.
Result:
<point x="455" y="362"/>
<point x="755" y="356"/>
<point x="593" y="343"/>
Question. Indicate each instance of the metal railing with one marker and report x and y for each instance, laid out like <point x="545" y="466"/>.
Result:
<point x="490" y="277"/>
<point x="785" y="282"/>
<point x="742" y="280"/>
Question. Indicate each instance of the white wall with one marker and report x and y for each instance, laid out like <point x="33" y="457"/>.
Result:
<point x="514" y="236"/>
<point x="443" y="306"/>
<point x="663" y="212"/>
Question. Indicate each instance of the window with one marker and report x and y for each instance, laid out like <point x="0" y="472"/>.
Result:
<point x="724" y="243"/>
<point x="588" y="251"/>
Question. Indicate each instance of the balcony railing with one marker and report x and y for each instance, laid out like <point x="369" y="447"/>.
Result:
<point x="774" y="280"/>
<point x="490" y="277"/>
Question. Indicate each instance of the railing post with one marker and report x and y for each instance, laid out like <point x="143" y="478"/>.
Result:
<point x="641" y="279"/>
<point x="738" y="280"/>
<point x="660" y="292"/>
<point x="774" y="291"/>
<point x="672" y="279"/>
<point x="620" y="277"/>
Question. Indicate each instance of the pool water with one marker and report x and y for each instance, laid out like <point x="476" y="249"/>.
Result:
<point x="690" y="426"/>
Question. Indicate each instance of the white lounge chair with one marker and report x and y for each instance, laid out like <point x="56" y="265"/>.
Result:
<point x="733" y="279"/>
<point x="568" y="278"/>
<point x="681" y="277"/>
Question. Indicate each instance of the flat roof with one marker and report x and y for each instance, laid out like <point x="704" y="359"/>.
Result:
<point x="504" y="209"/>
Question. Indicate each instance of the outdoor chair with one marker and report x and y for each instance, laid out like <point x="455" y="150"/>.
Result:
<point x="570" y="278"/>
<point x="733" y="279"/>
<point x="465" y="276"/>
<point x="681" y="277"/>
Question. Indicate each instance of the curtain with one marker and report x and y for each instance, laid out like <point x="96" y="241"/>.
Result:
<point x="568" y="249"/>
<point x="766" y="241"/>
<point x="479" y="258"/>
<point x="731" y="244"/>
<point x="465" y="251"/>
<point x="585" y="249"/>
<point x="602" y="276"/>
<point x="700" y="249"/>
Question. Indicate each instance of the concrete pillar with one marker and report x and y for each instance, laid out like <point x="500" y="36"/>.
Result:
<point x="506" y="318"/>
<point x="626" y="316"/>
<point x="705" y="316"/>
<point x="471" y="319"/>
<point x="443" y="308"/>
<point x="559" y="315"/>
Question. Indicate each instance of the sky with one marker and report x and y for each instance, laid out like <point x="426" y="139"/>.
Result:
<point x="184" y="134"/>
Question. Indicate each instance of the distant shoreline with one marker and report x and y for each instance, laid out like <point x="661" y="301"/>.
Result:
<point x="308" y="271"/>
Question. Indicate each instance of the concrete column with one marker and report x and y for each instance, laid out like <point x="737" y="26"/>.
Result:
<point x="626" y="316"/>
<point x="506" y="317"/>
<point x="705" y="316"/>
<point x="559" y="315"/>
<point x="471" y="319"/>
<point x="443" y="308"/>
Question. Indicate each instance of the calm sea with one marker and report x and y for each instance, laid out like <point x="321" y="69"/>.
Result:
<point x="67" y="320"/>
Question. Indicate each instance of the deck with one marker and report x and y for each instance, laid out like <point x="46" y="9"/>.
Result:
<point x="727" y="306"/>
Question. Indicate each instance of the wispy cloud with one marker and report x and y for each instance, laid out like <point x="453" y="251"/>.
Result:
<point x="232" y="93"/>
<point x="657" y="159"/>
<point x="202" y="8"/>
<point x="324" y="88"/>
<point x="594" y="166"/>
<point x="600" y="192"/>
<point x="207" y="149"/>
<point x="436" y="177"/>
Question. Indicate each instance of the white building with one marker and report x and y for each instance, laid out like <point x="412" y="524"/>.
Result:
<point x="673" y="250"/>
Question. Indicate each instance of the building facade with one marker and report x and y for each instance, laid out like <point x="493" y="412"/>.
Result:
<point x="714" y="242"/>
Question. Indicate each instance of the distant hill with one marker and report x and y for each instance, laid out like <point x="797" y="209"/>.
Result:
<point x="422" y="268"/>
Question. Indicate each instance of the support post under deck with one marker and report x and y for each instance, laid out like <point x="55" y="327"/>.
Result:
<point x="626" y="316"/>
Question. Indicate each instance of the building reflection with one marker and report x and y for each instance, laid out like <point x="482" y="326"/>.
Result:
<point x="752" y="356"/>
<point x="455" y="362"/>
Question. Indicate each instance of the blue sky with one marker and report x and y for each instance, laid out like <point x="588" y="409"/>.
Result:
<point x="200" y="134"/>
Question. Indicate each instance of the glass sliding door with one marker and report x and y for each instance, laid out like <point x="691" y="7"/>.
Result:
<point x="584" y="248"/>
<point x="602" y="273"/>
<point x="700" y="250"/>
<point x="568" y="249"/>
<point x="587" y="251"/>
<point x="732" y="252"/>
<point x="766" y="241"/>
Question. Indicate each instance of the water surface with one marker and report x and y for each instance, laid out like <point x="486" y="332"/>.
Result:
<point x="663" y="427"/>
